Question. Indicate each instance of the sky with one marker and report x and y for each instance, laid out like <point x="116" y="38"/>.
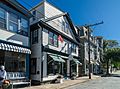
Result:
<point x="89" y="12"/>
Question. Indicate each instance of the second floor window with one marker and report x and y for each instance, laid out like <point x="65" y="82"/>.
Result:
<point x="24" y="27"/>
<point x="53" y="39"/>
<point x="2" y="18"/>
<point x="34" y="36"/>
<point x="13" y="22"/>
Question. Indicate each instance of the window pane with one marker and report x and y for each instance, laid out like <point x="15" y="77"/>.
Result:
<point x="35" y="36"/>
<point x="24" y="27"/>
<point x="13" y="27"/>
<point x="51" y="40"/>
<point x="2" y="13"/>
<point x="24" y="23"/>
<point x="13" y="17"/>
<point x="55" y="40"/>
<point x="2" y="23"/>
<point x="13" y="22"/>
<point x="2" y="18"/>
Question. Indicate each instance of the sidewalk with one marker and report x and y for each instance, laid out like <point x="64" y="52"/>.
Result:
<point x="65" y="84"/>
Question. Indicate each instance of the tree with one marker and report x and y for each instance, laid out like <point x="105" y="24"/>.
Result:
<point x="111" y="52"/>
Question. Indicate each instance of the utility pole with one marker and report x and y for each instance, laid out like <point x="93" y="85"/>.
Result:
<point x="89" y="44"/>
<point x="89" y="52"/>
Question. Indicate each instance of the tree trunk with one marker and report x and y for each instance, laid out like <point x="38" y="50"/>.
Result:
<point x="107" y="67"/>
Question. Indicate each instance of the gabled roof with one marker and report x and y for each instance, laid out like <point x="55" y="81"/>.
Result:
<point x="69" y="21"/>
<point x="19" y="7"/>
<point x="72" y="26"/>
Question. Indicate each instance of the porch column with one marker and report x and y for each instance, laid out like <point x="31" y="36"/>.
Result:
<point x="44" y="64"/>
<point x="77" y="69"/>
<point x="85" y="69"/>
<point x="68" y="68"/>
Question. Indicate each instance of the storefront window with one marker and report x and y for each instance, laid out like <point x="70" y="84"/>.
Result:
<point x="13" y="22"/>
<point x="53" y="67"/>
<point x="14" y="62"/>
<point x="2" y="18"/>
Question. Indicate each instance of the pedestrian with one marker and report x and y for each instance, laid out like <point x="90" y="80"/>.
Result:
<point x="3" y="75"/>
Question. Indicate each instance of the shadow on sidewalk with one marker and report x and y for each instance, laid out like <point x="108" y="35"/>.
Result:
<point x="111" y="75"/>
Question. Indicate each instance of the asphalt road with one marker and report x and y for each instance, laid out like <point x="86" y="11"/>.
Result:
<point x="112" y="82"/>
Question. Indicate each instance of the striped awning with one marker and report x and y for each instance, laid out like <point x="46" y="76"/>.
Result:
<point x="8" y="47"/>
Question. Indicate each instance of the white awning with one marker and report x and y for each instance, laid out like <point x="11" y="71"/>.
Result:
<point x="14" y="48"/>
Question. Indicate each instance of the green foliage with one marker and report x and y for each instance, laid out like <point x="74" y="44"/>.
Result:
<point x="110" y="50"/>
<point x="113" y="54"/>
<point x="116" y="64"/>
<point x="110" y="44"/>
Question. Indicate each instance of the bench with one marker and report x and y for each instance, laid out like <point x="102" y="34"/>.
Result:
<point x="18" y="78"/>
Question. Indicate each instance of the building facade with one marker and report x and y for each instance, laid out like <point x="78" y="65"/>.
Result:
<point x="98" y="54"/>
<point x="14" y="38"/>
<point x="96" y="51"/>
<point x="53" y="43"/>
